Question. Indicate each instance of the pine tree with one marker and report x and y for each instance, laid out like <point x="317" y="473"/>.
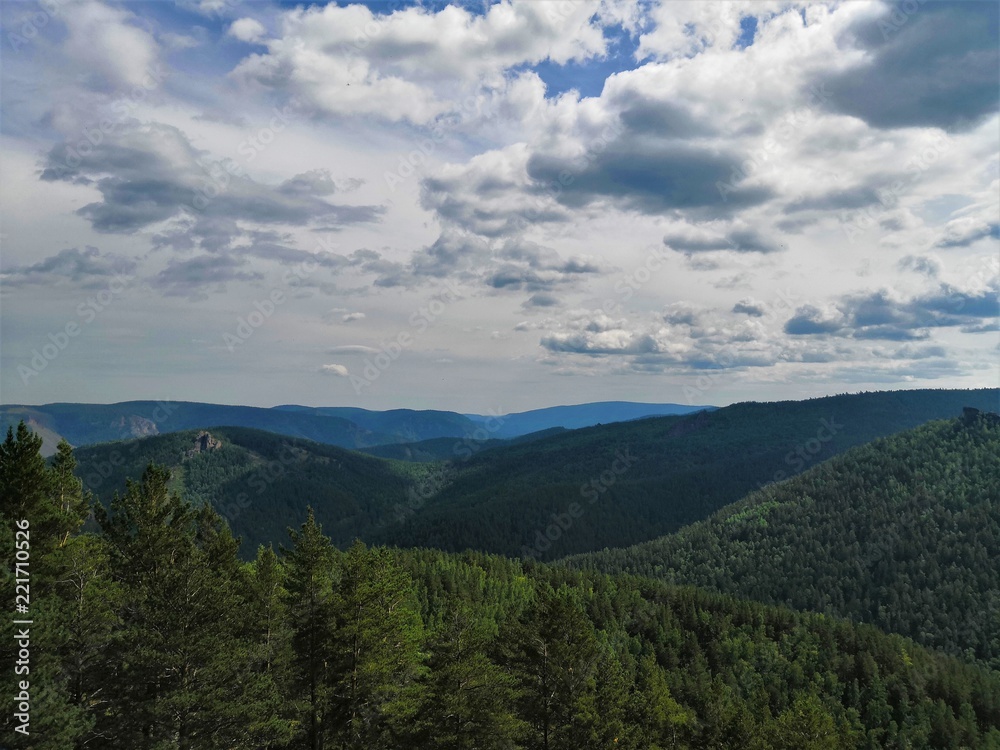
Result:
<point x="556" y="655"/>
<point x="181" y="665"/>
<point x="310" y="609"/>
<point x="376" y="650"/>
<point x="469" y="703"/>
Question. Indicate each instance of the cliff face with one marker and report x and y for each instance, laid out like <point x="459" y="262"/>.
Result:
<point x="204" y="442"/>
<point x="134" y="426"/>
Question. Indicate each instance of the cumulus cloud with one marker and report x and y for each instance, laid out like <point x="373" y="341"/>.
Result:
<point x="408" y="64"/>
<point x="333" y="369"/>
<point x="108" y="43"/>
<point x="247" y="29"/>
<point x="148" y="174"/>
<point x="885" y="315"/>
<point x="749" y="307"/>
<point x="929" y="65"/>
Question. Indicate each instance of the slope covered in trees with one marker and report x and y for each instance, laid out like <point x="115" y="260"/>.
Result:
<point x="152" y="634"/>
<point x="261" y="482"/>
<point x="630" y="482"/>
<point x="634" y="481"/>
<point x="903" y="533"/>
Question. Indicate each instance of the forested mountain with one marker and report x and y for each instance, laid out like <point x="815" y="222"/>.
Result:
<point x="86" y="424"/>
<point x="347" y="427"/>
<point x="450" y="449"/>
<point x="584" y="415"/>
<point x="634" y="481"/>
<point x="261" y="482"/>
<point x="626" y="482"/>
<point x="152" y="634"/>
<point x="902" y="533"/>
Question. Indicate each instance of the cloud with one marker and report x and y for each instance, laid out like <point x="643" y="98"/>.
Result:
<point x="968" y="230"/>
<point x="148" y="174"/>
<point x="739" y="240"/>
<point x="338" y="370"/>
<point x="809" y="320"/>
<point x="883" y="315"/>
<point x="541" y="299"/>
<point x="410" y="64"/>
<point x="749" y="307"/>
<point x="87" y="267"/>
<point x="648" y="173"/>
<point x="352" y="317"/>
<point x="926" y="265"/>
<point x="248" y="30"/>
<point x="352" y="349"/>
<point x="929" y="65"/>
<point x="106" y="44"/>
<point x="187" y="278"/>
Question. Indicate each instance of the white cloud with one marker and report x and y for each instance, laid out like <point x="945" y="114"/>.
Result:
<point x="338" y="370"/>
<point x="105" y="41"/>
<point x="247" y="29"/>
<point x="414" y="64"/>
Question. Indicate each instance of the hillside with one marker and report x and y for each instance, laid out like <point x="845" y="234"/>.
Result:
<point x="634" y="481"/>
<point x="260" y="482"/>
<point x="584" y="415"/>
<point x="382" y="648"/>
<point x="903" y="533"/>
<point x="500" y="498"/>
<point x="449" y="449"/>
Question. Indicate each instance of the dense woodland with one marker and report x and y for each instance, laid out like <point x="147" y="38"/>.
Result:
<point x="902" y="533"/>
<point x="152" y="633"/>
<point x="500" y="498"/>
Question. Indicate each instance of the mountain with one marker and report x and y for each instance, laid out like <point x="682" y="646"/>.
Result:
<point x="902" y="533"/>
<point x="447" y="449"/>
<point x="627" y="482"/>
<point x="87" y="424"/>
<point x="155" y="633"/>
<point x="347" y="427"/>
<point x="619" y="484"/>
<point x="258" y="481"/>
<point x="581" y="415"/>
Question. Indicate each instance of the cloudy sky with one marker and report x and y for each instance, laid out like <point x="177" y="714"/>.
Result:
<point x="497" y="205"/>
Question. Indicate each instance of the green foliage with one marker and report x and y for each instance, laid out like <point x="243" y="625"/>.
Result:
<point x="157" y="637"/>
<point x="903" y="533"/>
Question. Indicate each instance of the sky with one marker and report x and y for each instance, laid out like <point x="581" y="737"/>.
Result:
<point x="497" y="205"/>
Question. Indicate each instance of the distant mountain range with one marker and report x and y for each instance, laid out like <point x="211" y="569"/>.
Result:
<point x="632" y="481"/>
<point x="347" y="427"/>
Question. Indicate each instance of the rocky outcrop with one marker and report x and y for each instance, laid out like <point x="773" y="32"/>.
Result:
<point x="134" y="426"/>
<point x="202" y="443"/>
